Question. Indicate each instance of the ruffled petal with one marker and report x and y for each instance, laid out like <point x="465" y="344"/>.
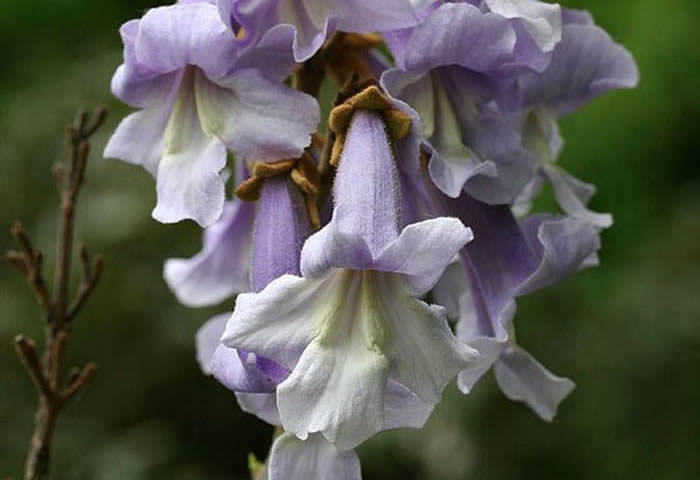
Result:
<point x="256" y="118"/>
<point x="279" y="322"/>
<point x="572" y="196"/>
<point x="562" y="245"/>
<point x="459" y="34"/>
<point x="237" y="371"/>
<point x="222" y="268"/>
<point x="587" y="63"/>
<point x="420" y="254"/>
<point x="173" y="37"/>
<point x="541" y="20"/>
<point x="312" y="459"/>
<point x="423" y="251"/>
<point x="523" y="379"/>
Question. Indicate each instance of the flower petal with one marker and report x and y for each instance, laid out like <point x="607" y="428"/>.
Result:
<point x="222" y="268"/>
<point x="139" y="138"/>
<point x="423" y="251"/>
<point x="170" y="38"/>
<point x="188" y="181"/>
<point x="459" y="34"/>
<point x="237" y="371"/>
<point x="278" y="323"/>
<point x="562" y="245"/>
<point x="425" y="355"/>
<point x="522" y="378"/>
<point x="541" y="20"/>
<point x="572" y="196"/>
<point x="256" y="118"/>
<point x="312" y="459"/>
<point x="337" y="388"/>
<point x="207" y="340"/>
<point x="262" y="405"/>
<point x="403" y="408"/>
<point x="587" y="63"/>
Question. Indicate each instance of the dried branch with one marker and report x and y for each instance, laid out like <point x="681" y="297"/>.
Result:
<point x="45" y="370"/>
<point x="29" y="261"/>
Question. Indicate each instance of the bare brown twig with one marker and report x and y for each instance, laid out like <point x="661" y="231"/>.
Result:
<point x="45" y="370"/>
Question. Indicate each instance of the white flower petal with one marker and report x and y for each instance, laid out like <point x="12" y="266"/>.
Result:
<point x="425" y="355"/>
<point x="543" y="21"/>
<point x="278" y="323"/>
<point x="313" y="459"/>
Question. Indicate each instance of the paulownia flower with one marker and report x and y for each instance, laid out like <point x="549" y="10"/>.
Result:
<point x="454" y="69"/>
<point x="353" y="324"/>
<point x="507" y="259"/>
<point x="282" y="224"/>
<point x="199" y="95"/>
<point x="586" y="63"/>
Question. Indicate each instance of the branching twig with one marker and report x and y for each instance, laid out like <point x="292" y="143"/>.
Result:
<point x="45" y="371"/>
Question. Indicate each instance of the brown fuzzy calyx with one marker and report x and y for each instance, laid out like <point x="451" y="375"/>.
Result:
<point x="397" y="123"/>
<point x="303" y="172"/>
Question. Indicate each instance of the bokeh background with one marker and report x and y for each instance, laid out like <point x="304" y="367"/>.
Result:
<point x="627" y="332"/>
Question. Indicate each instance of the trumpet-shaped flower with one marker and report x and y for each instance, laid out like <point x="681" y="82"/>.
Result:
<point x="199" y="95"/>
<point x="353" y="323"/>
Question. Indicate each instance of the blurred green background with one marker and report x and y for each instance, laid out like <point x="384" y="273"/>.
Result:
<point x="627" y="332"/>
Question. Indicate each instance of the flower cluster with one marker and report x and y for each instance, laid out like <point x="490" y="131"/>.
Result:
<point x="419" y="188"/>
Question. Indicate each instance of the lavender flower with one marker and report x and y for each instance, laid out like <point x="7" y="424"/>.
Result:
<point x="353" y="321"/>
<point x="455" y="69"/>
<point x="330" y="337"/>
<point x="199" y="96"/>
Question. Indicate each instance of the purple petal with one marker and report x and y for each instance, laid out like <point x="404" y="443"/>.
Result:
<point x="459" y="34"/>
<point x="262" y="405"/>
<point x="522" y="378"/>
<point x="587" y="63"/>
<point x="222" y="268"/>
<point x="562" y="245"/>
<point x="171" y="38"/>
